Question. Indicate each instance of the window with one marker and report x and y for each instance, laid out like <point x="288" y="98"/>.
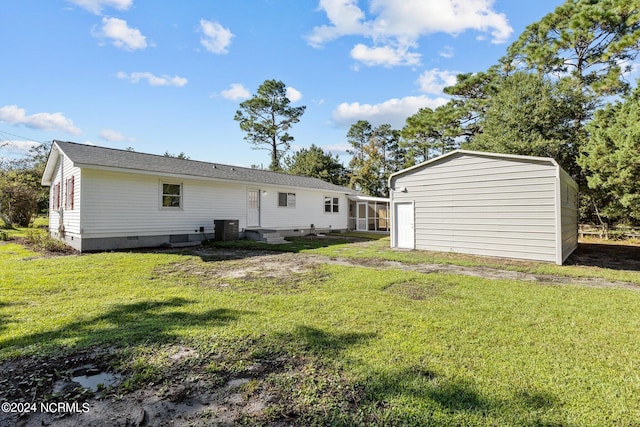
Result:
<point x="69" y="193"/>
<point x="55" y="197"/>
<point x="171" y="195"/>
<point x="331" y="204"/>
<point x="287" y="200"/>
<point x="253" y="202"/>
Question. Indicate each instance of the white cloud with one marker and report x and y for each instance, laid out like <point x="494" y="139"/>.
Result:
<point x="385" y="55"/>
<point x="397" y="25"/>
<point x="293" y="94"/>
<point x="433" y="81"/>
<point x="114" y="136"/>
<point x="393" y="111"/>
<point x="152" y="79"/>
<point x="346" y="19"/>
<point x="216" y="39"/>
<point x="337" y="148"/>
<point x="236" y="92"/>
<point x="96" y="6"/>
<point x="122" y="36"/>
<point x="447" y="52"/>
<point x="14" y="115"/>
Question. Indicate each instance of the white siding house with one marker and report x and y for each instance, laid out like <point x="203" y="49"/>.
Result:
<point x="486" y="204"/>
<point x="103" y="199"/>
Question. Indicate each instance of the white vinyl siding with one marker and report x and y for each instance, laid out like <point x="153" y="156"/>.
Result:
<point x="118" y="204"/>
<point x="484" y="205"/>
<point x="570" y="214"/>
<point x="309" y="209"/>
<point x="64" y="214"/>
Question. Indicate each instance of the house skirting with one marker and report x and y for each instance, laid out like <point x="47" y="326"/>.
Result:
<point x="132" y="242"/>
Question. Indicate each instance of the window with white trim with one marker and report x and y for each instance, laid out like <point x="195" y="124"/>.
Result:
<point x="171" y="197"/>
<point x="331" y="204"/>
<point x="287" y="200"/>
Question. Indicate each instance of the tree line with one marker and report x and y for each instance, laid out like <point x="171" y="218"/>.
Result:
<point x="560" y="91"/>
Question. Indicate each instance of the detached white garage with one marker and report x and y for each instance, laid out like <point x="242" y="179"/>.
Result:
<point x="486" y="204"/>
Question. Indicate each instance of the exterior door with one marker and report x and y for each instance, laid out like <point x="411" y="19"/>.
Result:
<point x="404" y="225"/>
<point x="253" y="208"/>
<point x="361" y="217"/>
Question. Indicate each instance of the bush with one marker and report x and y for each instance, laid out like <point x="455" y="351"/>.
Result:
<point x="41" y="240"/>
<point x="19" y="202"/>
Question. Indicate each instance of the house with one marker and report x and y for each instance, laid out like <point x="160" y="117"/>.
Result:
<point x="486" y="204"/>
<point x="103" y="198"/>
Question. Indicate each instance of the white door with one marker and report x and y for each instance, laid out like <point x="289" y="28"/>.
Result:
<point x="253" y="208"/>
<point x="361" y="217"/>
<point x="404" y="225"/>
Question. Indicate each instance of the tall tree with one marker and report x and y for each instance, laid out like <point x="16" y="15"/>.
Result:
<point x="595" y="41"/>
<point x="470" y="97"/>
<point x="376" y="154"/>
<point x="393" y="154"/>
<point x="611" y="160"/>
<point x="535" y="116"/>
<point x="314" y="162"/>
<point x="267" y="117"/>
<point x="429" y="133"/>
<point x="358" y="136"/>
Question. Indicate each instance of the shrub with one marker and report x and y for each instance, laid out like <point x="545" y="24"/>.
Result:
<point x="19" y="202"/>
<point x="41" y="240"/>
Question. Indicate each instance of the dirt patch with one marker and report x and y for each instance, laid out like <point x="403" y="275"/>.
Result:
<point x="286" y="269"/>
<point x="188" y="391"/>
<point x="411" y="290"/>
<point x="612" y="255"/>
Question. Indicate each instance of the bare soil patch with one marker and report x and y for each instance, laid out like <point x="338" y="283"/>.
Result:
<point x="285" y="266"/>
<point x="187" y="393"/>
<point x="615" y="255"/>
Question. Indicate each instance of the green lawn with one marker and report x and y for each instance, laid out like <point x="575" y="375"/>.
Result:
<point x="361" y="346"/>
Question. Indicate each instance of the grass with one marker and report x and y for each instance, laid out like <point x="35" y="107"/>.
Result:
<point x="369" y="347"/>
<point x="377" y="248"/>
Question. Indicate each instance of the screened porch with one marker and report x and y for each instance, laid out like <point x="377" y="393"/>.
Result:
<point x="368" y="213"/>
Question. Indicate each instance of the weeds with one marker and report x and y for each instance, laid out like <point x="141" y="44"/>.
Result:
<point x="40" y="240"/>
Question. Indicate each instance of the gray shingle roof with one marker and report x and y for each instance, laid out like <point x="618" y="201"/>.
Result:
<point x="90" y="155"/>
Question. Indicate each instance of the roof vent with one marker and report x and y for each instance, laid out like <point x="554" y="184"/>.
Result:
<point x="233" y="169"/>
<point x="214" y="166"/>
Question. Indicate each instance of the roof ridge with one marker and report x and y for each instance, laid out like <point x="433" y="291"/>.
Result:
<point x="201" y="162"/>
<point x="177" y="158"/>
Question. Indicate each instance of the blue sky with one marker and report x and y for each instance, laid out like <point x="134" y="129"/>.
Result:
<point x="169" y="75"/>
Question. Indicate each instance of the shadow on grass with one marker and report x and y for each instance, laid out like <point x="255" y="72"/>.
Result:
<point x="613" y="256"/>
<point x="402" y="396"/>
<point x="130" y="324"/>
<point x="440" y="397"/>
<point x="4" y="319"/>
<point x="321" y="343"/>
